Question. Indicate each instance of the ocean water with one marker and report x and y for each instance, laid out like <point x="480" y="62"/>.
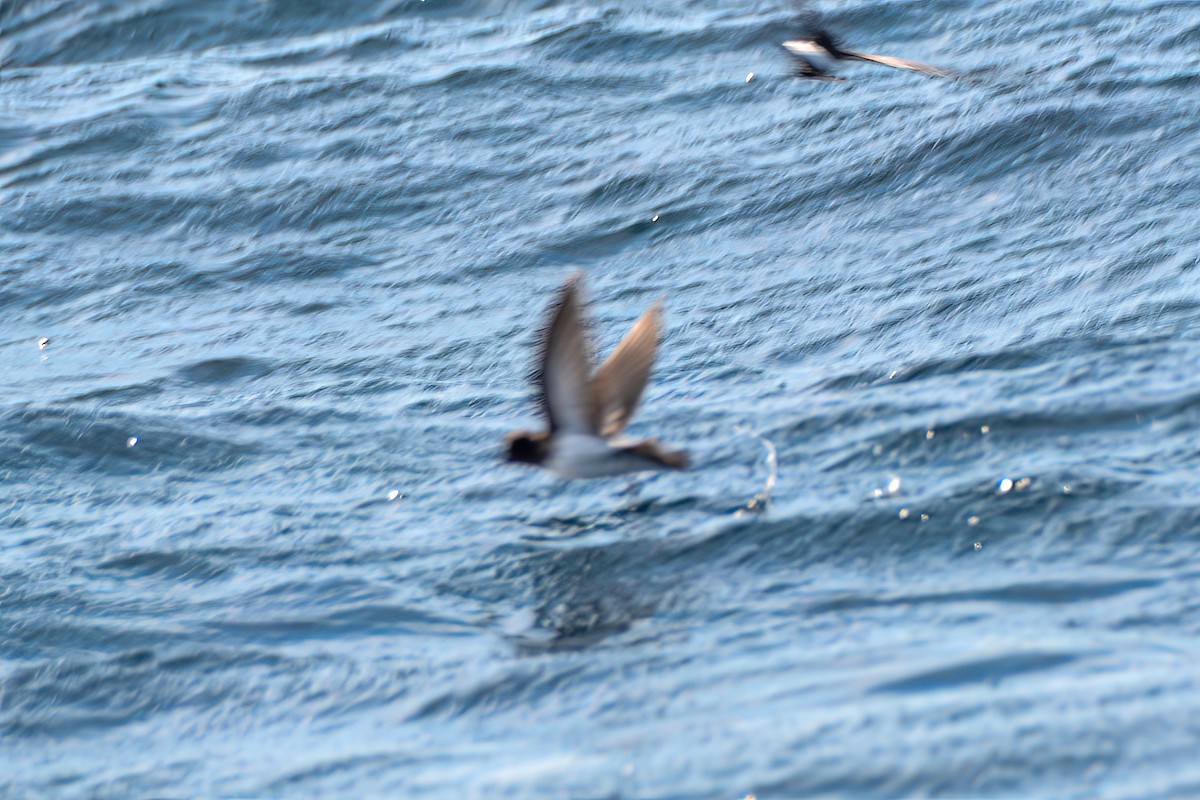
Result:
<point x="932" y="345"/>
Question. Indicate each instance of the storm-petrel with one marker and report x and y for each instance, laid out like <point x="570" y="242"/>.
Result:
<point x="587" y="412"/>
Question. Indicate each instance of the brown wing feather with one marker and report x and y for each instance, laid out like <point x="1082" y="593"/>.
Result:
<point x="620" y="381"/>
<point x="901" y="63"/>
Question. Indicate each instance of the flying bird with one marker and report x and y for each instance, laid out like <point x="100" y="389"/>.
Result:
<point x="585" y="411"/>
<point x="816" y="54"/>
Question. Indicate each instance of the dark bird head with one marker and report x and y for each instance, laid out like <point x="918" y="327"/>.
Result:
<point x="526" y="447"/>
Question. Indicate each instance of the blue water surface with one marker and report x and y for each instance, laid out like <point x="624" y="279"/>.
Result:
<point x="256" y="538"/>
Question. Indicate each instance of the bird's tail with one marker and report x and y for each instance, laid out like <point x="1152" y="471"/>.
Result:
<point x="652" y="451"/>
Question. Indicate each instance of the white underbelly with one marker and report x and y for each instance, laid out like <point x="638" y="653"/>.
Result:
<point x="580" y="456"/>
<point x="812" y="53"/>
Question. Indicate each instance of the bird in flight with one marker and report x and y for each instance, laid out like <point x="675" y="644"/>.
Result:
<point x="585" y="411"/>
<point x="816" y="53"/>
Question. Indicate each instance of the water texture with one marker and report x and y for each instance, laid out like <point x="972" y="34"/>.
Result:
<point x="291" y="259"/>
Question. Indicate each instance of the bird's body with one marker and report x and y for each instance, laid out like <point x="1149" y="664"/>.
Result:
<point x="581" y="456"/>
<point x="814" y="57"/>
<point x="587" y="412"/>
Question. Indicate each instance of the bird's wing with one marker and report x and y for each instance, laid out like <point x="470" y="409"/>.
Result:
<point x="803" y="68"/>
<point x="807" y="21"/>
<point x="619" y="382"/>
<point x="900" y="63"/>
<point x="565" y="367"/>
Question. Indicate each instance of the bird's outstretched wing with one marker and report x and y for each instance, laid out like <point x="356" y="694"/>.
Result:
<point x="565" y="367"/>
<point x="803" y="68"/>
<point x="620" y="381"/>
<point x="807" y="22"/>
<point x="899" y="63"/>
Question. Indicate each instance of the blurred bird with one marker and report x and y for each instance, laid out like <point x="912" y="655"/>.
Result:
<point x="816" y="53"/>
<point x="586" y="411"/>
